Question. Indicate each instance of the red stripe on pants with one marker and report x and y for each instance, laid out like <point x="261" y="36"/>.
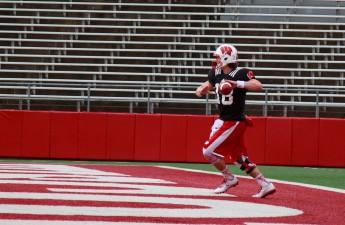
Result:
<point x="233" y="146"/>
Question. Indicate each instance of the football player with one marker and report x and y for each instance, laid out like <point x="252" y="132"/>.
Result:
<point x="227" y="132"/>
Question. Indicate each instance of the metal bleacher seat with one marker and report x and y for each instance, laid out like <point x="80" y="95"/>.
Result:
<point x="113" y="51"/>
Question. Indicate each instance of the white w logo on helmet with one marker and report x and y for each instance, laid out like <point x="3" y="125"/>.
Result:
<point x="225" y="54"/>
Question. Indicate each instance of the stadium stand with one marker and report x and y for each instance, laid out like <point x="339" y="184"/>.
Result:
<point x="137" y="56"/>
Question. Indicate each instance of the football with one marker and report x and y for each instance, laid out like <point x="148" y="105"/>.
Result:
<point x="225" y="87"/>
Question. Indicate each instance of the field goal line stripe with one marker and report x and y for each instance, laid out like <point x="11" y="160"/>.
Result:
<point x="319" y="187"/>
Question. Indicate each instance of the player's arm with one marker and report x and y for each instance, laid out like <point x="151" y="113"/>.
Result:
<point x="203" y="89"/>
<point x="208" y="85"/>
<point x="250" y="85"/>
<point x="247" y="81"/>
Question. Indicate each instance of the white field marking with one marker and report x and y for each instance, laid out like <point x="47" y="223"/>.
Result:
<point x="91" y="183"/>
<point x="94" y="176"/>
<point x="64" y="168"/>
<point x="68" y="222"/>
<point x="272" y="180"/>
<point x="98" y="179"/>
<point x="87" y="184"/>
<point x="145" y="189"/>
<point x="20" y="168"/>
<point x="64" y="222"/>
<point x="7" y="170"/>
<point x="74" y="177"/>
<point x="138" y="188"/>
<point x="86" y="174"/>
<point x="213" y="208"/>
<point x="44" y="176"/>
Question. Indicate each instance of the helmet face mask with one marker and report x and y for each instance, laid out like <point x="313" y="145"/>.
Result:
<point x="225" y="54"/>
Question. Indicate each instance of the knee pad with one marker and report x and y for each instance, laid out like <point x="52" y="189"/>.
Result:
<point x="245" y="164"/>
<point x="212" y="158"/>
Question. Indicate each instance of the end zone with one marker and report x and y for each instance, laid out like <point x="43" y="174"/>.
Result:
<point x="82" y="194"/>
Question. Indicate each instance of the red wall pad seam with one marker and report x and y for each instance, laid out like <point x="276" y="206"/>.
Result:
<point x="64" y="135"/>
<point x="198" y="130"/>
<point x="11" y="129"/>
<point x="147" y="137"/>
<point x="173" y="138"/>
<point x="120" y="136"/>
<point x="36" y="134"/>
<point x="92" y="136"/>
<point x="255" y="140"/>
<point x="278" y="141"/>
<point x="305" y="132"/>
<point x="331" y="142"/>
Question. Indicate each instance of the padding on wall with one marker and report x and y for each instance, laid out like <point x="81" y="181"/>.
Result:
<point x="255" y="140"/>
<point x="278" y="141"/>
<point x="120" y="136"/>
<point x="92" y="136"/>
<point x="36" y="134"/>
<point x="167" y="138"/>
<point x="64" y="135"/>
<point x="332" y="142"/>
<point x="173" y="138"/>
<point x="11" y="133"/>
<point x="305" y="134"/>
<point x="147" y="137"/>
<point x="198" y="130"/>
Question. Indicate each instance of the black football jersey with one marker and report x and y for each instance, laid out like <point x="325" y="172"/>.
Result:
<point x="231" y="106"/>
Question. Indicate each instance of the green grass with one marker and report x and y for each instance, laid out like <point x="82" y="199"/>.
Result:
<point x="329" y="177"/>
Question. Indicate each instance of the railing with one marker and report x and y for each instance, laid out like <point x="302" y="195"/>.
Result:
<point x="267" y="51"/>
<point x="149" y="93"/>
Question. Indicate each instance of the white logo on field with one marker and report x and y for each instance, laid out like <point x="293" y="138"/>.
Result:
<point x="160" y="191"/>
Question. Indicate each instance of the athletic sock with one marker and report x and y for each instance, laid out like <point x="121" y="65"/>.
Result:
<point x="227" y="174"/>
<point x="262" y="181"/>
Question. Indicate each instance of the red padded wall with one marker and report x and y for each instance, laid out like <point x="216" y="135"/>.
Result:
<point x="120" y="136"/>
<point x="147" y="137"/>
<point x="36" y="134"/>
<point x="173" y="138"/>
<point x="92" y="136"/>
<point x="64" y="135"/>
<point x="198" y="130"/>
<point x="11" y="133"/>
<point x="255" y="140"/>
<point x="278" y="141"/>
<point x="152" y="137"/>
<point x="332" y="142"/>
<point x="305" y="134"/>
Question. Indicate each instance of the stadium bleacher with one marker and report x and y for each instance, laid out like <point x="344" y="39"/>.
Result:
<point x="137" y="56"/>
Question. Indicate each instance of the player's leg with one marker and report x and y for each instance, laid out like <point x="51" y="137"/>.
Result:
<point x="266" y="187"/>
<point x="215" y="149"/>
<point x="239" y="153"/>
<point x="229" y="180"/>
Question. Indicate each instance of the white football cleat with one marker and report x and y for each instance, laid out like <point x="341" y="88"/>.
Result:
<point x="227" y="183"/>
<point x="265" y="190"/>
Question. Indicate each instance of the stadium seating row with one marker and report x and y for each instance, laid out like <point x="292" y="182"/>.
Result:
<point x="298" y="46"/>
